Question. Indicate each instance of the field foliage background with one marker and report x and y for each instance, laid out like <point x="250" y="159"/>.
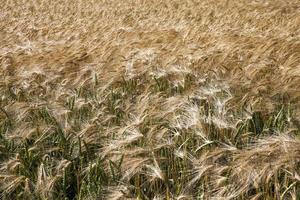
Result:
<point x="149" y="99"/>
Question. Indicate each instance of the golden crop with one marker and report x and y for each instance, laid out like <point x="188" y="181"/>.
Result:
<point x="148" y="99"/>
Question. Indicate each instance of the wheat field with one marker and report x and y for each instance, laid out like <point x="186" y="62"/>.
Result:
<point x="150" y="99"/>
